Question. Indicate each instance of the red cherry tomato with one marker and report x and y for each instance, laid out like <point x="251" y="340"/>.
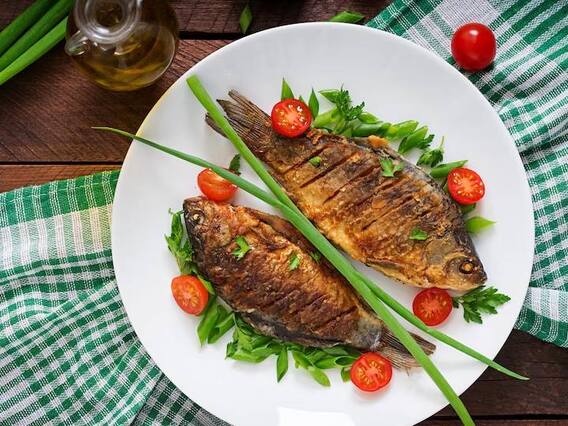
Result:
<point x="432" y="306"/>
<point x="465" y="186"/>
<point x="371" y="371"/>
<point x="190" y="294"/>
<point x="473" y="46"/>
<point x="214" y="186"/>
<point x="291" y="118"/>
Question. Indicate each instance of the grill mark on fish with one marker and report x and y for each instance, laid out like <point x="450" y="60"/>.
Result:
<point x="333" y="204"/>
<point x="301" y="160"/>
<point x="333" y="319"/>
<point x="306" y="173"/>
<point x="325" y="172"/>
<point x="350" y="184"/>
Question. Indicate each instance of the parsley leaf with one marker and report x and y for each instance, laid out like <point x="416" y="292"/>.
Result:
<point x="418" y="234"/>
<point x="432" y="157"/>
<point x="315" y="161"/>
<point x="235" y="164"/>
<point x="294" y="261"/>
<point x="344" y="106"/>
<point x="316" y="255"/>
<point x="480" y="300"/>
<point x="242" y="249"/>
<point x="390" y="168"/>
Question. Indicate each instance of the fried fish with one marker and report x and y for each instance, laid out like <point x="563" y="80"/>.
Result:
<point x="306" y="302"/>
<point x="369" y="215"/>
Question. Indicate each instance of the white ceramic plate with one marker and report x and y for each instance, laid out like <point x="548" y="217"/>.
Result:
<point x="397" y="80"/>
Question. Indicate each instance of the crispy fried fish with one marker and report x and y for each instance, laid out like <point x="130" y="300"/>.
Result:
<point x="368" y="215"/>
<point x="311" y="304"/>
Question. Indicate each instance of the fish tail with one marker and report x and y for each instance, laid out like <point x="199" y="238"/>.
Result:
<point x="249" y="121"/>
<point x="395" y="351"/>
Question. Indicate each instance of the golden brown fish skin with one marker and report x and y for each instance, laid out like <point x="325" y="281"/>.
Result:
<point x="311" y="305"/>
<point x="368" y="215"/>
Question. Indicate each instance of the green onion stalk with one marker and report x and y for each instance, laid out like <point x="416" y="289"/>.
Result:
<point x="35" y="52"/>
<point x="36" y="32"/>
<point x="335" y="258"/>
<point x="25" y="20"/>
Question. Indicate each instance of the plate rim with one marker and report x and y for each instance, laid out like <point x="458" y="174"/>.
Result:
<point x="525" y="187"/>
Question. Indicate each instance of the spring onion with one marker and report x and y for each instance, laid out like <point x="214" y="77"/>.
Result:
<point x="42" y="27"/>
<point x="245" y="19"/>
<point x="442" y="170"/>
<point x="348" y="17"/>
<point x="25" y="20"/>
<point x="34" y="52"/>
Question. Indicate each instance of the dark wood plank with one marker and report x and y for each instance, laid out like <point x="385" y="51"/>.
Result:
<point x="16" y="176"/>
<point x="499" y="422"/>
<point x="222" y="16"/>
<point x="47" y="111"/>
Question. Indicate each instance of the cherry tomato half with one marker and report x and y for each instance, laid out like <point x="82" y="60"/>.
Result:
<point x="465" y="186"/>
<point x="473" y="46"/>
<point x="190" y="294"/>
<point x="371" y="372"/>
<point x="432" y="306"/>
<point x="291" y="118"/>
<point x="214" y="186"/>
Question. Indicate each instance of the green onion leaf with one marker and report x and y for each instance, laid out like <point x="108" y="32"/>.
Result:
<point x="294" y="261"/>
<point x="282" y="363"/>
<point x="413" y="140"/>
<point x="442" y="170"/>
<point x="235" y="164"/>
<point x="476" y="224"/>
<point x="286" y="92"/>
<point x="431" y="157"/>
<point x="330" y="94"/>
<point x="418" y="234"/>
<point x="313" y="103"/>
<point x="315" y="161"/>
<point x="245" y="19"/>
<point x="242" y="248"/>
<point x="348" y="17"/>
<point x="224" y="323"/>
<point x="319" y="376"/>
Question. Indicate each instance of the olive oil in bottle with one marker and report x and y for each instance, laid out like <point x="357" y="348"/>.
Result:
<point x="122" y="44"/>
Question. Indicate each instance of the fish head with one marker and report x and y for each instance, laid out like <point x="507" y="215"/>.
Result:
<point x="208" y="223"/>
<point x="454" y="264"/>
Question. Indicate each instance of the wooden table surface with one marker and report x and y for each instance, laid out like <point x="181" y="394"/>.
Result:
<point x="45" y="118"/>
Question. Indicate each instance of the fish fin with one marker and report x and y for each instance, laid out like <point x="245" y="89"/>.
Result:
<point x="398" y="354"/>
<point x="251" y="123"/>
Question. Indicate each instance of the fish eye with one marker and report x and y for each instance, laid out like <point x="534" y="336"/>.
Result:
<point x="467" y="266"/>
<point x="197" y="217"/>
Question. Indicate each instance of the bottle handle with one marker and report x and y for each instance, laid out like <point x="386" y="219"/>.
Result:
<point x="77" y="44"/>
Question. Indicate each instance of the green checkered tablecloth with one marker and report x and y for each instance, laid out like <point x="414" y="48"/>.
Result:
<point x="68" y="354"/>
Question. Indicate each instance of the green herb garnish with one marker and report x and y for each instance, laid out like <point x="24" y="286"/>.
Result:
<point x="245" y="19"/>
<point x="390" y="168"/>
<point x="417" y="139"/>
<point x="286" y="92"/>
<point x="294" y="261"/>
<point x="315" y="161"/>
<point x="467" y="209"/>
<point x="242" y="248"/>
<point x="431" y="157"/>
<point x="235" y="164"/>
<point x="25" y="20"/>
<point x="476" y="224"/>
<point x="480" y="300"/>
<point x="441" y="171"/>
<point x="348" y="17"/>
<point x="179" y="245"/>
<point x="418" y="234"/>
<point x="282" y="363"/>
<point x="316" y="255"/>
<point x="313" y="104"/>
